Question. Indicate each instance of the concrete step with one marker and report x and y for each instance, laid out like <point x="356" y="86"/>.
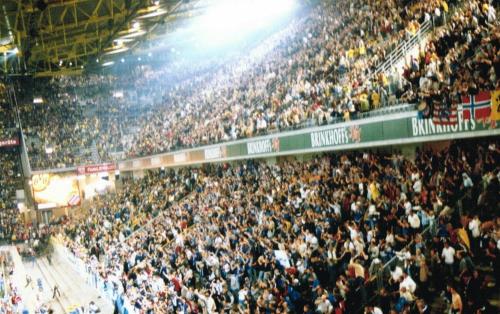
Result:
<point x="44" y="294"/>
<point x="76" y="285"/>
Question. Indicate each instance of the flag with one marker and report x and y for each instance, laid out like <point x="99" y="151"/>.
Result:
<point x="74" y="200"/>
<point x="477" y="107"/>
<point x="444" y="114"/>
<point x="495" y="106"/>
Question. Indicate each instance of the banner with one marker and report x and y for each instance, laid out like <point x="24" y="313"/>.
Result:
<point x="215" y="153"/>
<point x="95" y="169"/>
<point x="378" y="131"/>
<point x="9" y="142"/>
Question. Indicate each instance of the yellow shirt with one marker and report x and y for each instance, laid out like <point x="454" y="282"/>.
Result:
<point x="350" y="53"/>
<point x="375" y="99"/>
<point x="362" y="50"/>
<point x="374" y="191"/>
<point x="445" y="6"/>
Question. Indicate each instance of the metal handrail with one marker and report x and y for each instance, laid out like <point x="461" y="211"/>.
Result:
<point x="403" y="48"/>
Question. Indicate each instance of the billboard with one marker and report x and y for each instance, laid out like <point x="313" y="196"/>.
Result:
<point x="95" y="168"/>
<point x="9" y="142"/>
<point x="53" y="190"/>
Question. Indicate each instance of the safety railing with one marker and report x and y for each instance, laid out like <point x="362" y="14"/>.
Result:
<point x="379" y="281"/>
<point x="403" y="48"/>
<point x="111" y="291"/>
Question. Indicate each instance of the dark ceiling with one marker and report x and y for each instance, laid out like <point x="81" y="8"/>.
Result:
<point x="55" y="37"/>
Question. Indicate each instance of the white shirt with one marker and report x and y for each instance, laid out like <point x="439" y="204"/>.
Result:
<point x="324" y="307"/>
<point x="377" y="310"/>
<point x="449" y="255"/>
<point x="397" y="273"/>
<point x="417" y="186"/>
<point x="474" y="227"/>
<point x="414" y="221"/>
<point x="409" y="284"/>
<point x="242" y="295"/>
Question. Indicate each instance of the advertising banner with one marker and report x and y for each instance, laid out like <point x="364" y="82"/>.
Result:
<point x="384" y="130"/>
<point x="95" y="168"/>
<point x="9" y="142"/>
<point x="52" y="190"/>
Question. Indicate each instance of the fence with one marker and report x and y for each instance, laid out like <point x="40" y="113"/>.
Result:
<point x="403" y="48"/>
<point x="112" y="291"/>
<point x="377" y="282"/>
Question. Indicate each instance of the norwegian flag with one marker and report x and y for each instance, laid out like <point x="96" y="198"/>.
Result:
<point x="444" y="114"/>
<point x="74" y="200"/>
<point x="477" y="107"/>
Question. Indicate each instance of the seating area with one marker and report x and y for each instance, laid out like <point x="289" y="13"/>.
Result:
<point x="359" y="171"/>
<point x="318" y="70"/>
<point x="11" y="178"/>
<point x="314" y="236"/>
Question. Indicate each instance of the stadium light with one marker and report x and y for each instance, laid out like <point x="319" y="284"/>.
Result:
<point x="233" y="19"/>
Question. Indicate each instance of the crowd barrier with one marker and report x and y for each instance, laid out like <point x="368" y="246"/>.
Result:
<point x="112" y="291"/>
<point x="379" y="281"/>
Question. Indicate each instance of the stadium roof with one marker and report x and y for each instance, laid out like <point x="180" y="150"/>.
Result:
<point x="55" y="37"/>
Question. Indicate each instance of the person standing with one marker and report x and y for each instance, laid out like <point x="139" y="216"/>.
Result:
<point x="475" y="230"/>
<point x="448" y="254"/>
<point x="456" y="301"/>
<point x="56" y="292"/>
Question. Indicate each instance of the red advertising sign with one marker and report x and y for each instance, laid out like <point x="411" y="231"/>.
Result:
<point x="96" y="168"/>
<point x="9" y="142"/>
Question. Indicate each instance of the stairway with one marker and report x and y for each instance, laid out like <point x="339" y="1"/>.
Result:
<point x="398" y="55"/>
<point x="95" y="153"/>
<point x="73" y="287"/>
<point x="18" y="276"/>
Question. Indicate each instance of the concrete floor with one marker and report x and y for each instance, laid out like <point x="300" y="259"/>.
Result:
<point x="73" y="287"/>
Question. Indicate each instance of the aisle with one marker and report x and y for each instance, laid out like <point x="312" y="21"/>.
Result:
<point x="74" y="291"/>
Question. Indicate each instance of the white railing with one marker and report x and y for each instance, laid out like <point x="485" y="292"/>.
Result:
<point x="111" y="291"/>
<point x="403" y="48"/>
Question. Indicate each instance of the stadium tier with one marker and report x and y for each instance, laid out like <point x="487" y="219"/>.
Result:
<point x="216" y="156"/>
<point x="319" y="70"/>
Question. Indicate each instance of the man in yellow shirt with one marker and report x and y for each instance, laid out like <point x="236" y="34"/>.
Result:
<point x="375" y="98"/>
<point x="444" y="5"/>
<point x="363" y="100"/>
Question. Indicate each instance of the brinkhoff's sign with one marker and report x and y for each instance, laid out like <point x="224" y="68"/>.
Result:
<point x="215" y="152"/>
<point x="352" y="135"/>
<point x="424" y="127"/>
<point x="333" y="137"/>
<point x="263" y="146"/>
<point x="337" y="136"/>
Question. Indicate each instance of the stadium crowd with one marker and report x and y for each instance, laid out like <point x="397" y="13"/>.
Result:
<point x="11" y="178"/>
<point x="305" y="237"/>
<point x="317" y="70"/>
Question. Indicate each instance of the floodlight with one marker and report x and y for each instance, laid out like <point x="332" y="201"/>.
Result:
<point x="234" y="19"/>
